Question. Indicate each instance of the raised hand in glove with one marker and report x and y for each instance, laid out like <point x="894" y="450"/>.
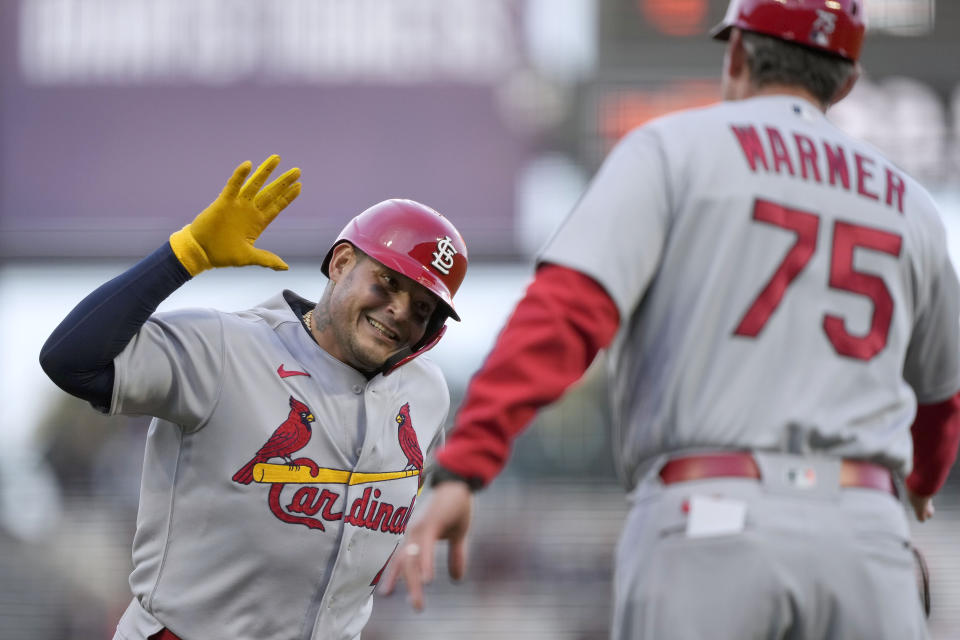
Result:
<point x="223" y="234"/>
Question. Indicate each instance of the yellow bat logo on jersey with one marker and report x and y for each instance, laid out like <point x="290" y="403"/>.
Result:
<point x="310" y="500"/>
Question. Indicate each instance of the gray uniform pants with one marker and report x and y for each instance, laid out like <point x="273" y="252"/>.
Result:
<point x="813" y="561"/>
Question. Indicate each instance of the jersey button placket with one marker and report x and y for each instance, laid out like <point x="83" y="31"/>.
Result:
<point x="358" y="389"/>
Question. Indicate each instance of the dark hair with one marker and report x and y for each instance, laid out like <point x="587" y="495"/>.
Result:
<point x="775" y="61"/>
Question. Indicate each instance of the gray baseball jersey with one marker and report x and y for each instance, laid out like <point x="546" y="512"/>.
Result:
<point x="781" y="286"/>
<point x="277" y="480"/>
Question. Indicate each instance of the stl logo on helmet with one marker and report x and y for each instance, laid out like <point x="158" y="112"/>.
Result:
<point x="443" y="256"/>
<point x="823" y="28"/>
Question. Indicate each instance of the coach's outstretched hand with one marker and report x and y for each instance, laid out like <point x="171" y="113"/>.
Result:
<point x="223" y="234"/>
<point x="447" y="518"/>
<point x="922" y="505"/>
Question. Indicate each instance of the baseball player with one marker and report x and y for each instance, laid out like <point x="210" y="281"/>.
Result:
<point x="287" y="448"/>
<point x="778" y="300"/>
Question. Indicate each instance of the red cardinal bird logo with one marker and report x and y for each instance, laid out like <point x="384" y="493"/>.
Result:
<point x="292" y="435"/>
<point x="408" y="439"/>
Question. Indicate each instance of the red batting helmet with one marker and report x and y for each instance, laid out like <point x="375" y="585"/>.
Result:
<point x="834" y="26"/>
<point x="418" y="242"/>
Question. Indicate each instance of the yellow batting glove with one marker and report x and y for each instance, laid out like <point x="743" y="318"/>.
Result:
<point x="223" y="234"/>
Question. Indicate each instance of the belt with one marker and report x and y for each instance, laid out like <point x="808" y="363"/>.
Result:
<point x="853" y="473"/>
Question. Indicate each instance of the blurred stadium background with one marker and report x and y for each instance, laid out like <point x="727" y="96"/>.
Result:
<point x="120" y="119"/>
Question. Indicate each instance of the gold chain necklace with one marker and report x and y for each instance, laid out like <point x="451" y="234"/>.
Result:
<point x="308" y="320"/>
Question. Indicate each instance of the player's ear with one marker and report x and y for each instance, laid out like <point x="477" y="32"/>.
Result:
<point x="342" y="259"/>
<point x="736" y="55"/>
<point x="848" y="85"/>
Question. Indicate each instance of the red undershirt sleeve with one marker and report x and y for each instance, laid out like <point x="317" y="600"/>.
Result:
<point x="548" y="343"/>
<point x="936" y="436"/>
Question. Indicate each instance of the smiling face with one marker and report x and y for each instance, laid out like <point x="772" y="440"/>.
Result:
<point x="369" y="312"/>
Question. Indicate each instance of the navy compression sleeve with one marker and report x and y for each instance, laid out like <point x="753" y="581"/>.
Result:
<point x="78" y="355"/>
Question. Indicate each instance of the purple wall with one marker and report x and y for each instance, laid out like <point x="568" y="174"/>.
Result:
<point x="112" y="170"/>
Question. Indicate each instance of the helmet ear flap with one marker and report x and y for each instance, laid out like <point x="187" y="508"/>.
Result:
<point x="435" y="330"/>
<point x="434" y="326"/>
